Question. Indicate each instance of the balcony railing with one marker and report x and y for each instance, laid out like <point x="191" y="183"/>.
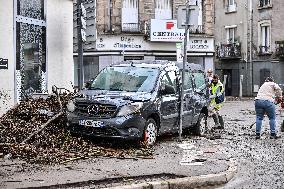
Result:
<point x="264" y="50"/>
<point x="264" y="3"/>
<point x="279" y="49"/>
<point x="196" y="30"/>
<point x="229" y="51"/>
<point x="130" y="27"/>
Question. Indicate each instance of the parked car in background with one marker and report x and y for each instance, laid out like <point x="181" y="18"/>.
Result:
<point x="140" y="100"/>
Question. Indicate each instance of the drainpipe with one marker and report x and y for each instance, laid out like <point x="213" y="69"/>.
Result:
<point x="250" y="47"/>
<point x="110" y="15"/>
<point x="80" y="46"/>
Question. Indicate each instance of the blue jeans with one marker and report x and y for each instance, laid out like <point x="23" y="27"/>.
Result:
<point x="262" y="107"/>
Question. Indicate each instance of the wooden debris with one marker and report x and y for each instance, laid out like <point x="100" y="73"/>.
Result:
<point x="36" y="137"/>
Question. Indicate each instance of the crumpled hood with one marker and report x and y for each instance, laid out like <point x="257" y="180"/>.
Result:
<point x="112" y="97"/>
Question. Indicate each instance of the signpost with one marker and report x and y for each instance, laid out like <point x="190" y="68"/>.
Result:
<point x="186" y="26"/>
<point x="81" y="35"/>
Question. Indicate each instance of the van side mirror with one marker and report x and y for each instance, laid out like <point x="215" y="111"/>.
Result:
<point x="88" y="84"/>
<point x="167" y="89"/>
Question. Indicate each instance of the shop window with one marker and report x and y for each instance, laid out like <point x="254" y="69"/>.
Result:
<point x="163" y="9"/>
<point x="31" y="8"/>
<point x="30" y="48"/>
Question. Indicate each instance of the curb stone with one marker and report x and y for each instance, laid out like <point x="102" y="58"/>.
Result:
<point x="188" y="182"/>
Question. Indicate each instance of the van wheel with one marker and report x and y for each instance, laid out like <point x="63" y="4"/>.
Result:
<point x="150" y="133"/>
<point x="282" y="126"/>
<point x="201" y="126"/>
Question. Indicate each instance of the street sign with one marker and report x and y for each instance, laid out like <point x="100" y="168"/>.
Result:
<point x="193" y="17"/>
<point x="3" y="64"/>
<point x="179" y="52"/>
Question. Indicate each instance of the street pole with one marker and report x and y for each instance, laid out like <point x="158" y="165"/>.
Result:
<point x="183" y="69"/>
<point x="80" y="46"/>
<point x="250" y="47"/>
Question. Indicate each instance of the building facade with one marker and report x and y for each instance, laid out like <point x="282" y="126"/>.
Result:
<point x="249" y="43"/>
<point x="142" y="30"/>
<point x="36" y="49"/>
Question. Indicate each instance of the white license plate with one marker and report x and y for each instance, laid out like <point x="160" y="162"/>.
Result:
<point x="91" y="123"/>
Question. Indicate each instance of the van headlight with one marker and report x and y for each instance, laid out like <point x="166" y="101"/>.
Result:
<point x="71" y="106"/>
<point x="130" y="109"/>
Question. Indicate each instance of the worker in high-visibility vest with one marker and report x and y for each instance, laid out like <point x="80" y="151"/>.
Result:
<point x="217" y="97"/>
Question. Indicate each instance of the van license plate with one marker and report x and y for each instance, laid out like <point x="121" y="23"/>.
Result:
<point x="91" y="123"/>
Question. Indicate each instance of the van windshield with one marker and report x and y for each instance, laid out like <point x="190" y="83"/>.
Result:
<point x="131" y="79"/>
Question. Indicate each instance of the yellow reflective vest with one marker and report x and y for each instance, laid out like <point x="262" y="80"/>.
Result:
<point x="217" y="90"/>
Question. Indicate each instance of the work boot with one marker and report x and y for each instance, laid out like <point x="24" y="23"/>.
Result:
<point x="216" y="121"/>
<point x="257" y="136"/>
<point x="221" y="121"/>
<point x="274" y="136"/>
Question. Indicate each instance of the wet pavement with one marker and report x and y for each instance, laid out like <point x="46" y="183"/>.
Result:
<point x="260" y="162"/>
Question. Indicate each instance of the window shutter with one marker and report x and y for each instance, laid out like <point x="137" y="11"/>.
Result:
<point x="129" y="12"/>
<point x="163" y="9"/>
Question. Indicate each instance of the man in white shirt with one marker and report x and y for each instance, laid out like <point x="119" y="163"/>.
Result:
<point x="265" y="103"/>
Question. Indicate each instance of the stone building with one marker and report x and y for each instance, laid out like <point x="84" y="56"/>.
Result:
<point x="142" y="30"/>
<point x="36" y="49"/>
<point x="249" y="42"/>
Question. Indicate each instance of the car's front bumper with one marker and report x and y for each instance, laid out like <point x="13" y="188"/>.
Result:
<point x="126" y="127"/>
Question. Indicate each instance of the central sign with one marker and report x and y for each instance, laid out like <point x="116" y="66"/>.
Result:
<point x="166" y="30"/>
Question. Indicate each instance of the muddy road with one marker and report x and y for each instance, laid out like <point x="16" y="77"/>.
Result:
<point x="260" y="162"/>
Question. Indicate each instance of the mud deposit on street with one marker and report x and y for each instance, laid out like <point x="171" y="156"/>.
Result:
<point x="260" y="162"/>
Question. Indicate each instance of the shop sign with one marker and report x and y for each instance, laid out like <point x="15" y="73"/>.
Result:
<point x="137" y="43"/>
<point x="166" y="30"/>
<point x="200" y="44"/>
<point x="120" y="43"/>
<point x="3" y="64"/>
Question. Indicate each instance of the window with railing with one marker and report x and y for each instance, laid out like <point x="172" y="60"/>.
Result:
<point x="199" y="17"/>
<point x="229" y="51"/>
<point x="231" y="6"/>
<point x="129" y="16"/>
<point x="230" y="33"/>
<point x="264" y="45"/>
<point x="264" y="3"/>
<point x="279" y="48"/>
<point x="163" y="9"/>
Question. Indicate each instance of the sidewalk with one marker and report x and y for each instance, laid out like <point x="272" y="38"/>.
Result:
<point x="195" y="162"/>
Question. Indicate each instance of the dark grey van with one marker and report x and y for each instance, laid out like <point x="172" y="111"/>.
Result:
<point x="140" y="100"/>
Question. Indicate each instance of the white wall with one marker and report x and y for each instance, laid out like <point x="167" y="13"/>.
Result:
<point x="60" y="66"/>
<point x="7" y="52"/>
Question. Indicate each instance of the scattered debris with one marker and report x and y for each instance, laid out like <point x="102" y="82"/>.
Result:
<point x="35" y="131"/>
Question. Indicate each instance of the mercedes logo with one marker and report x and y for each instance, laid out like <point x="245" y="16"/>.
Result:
<point x="93" y="109"/>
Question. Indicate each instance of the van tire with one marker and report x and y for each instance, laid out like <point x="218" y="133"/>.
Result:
<point x="282" y="126"/>
<point x="200" y="127"/>
<point x="150" y="132"/>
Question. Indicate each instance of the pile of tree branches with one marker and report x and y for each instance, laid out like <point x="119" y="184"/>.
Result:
<point x="35" y="131"/>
